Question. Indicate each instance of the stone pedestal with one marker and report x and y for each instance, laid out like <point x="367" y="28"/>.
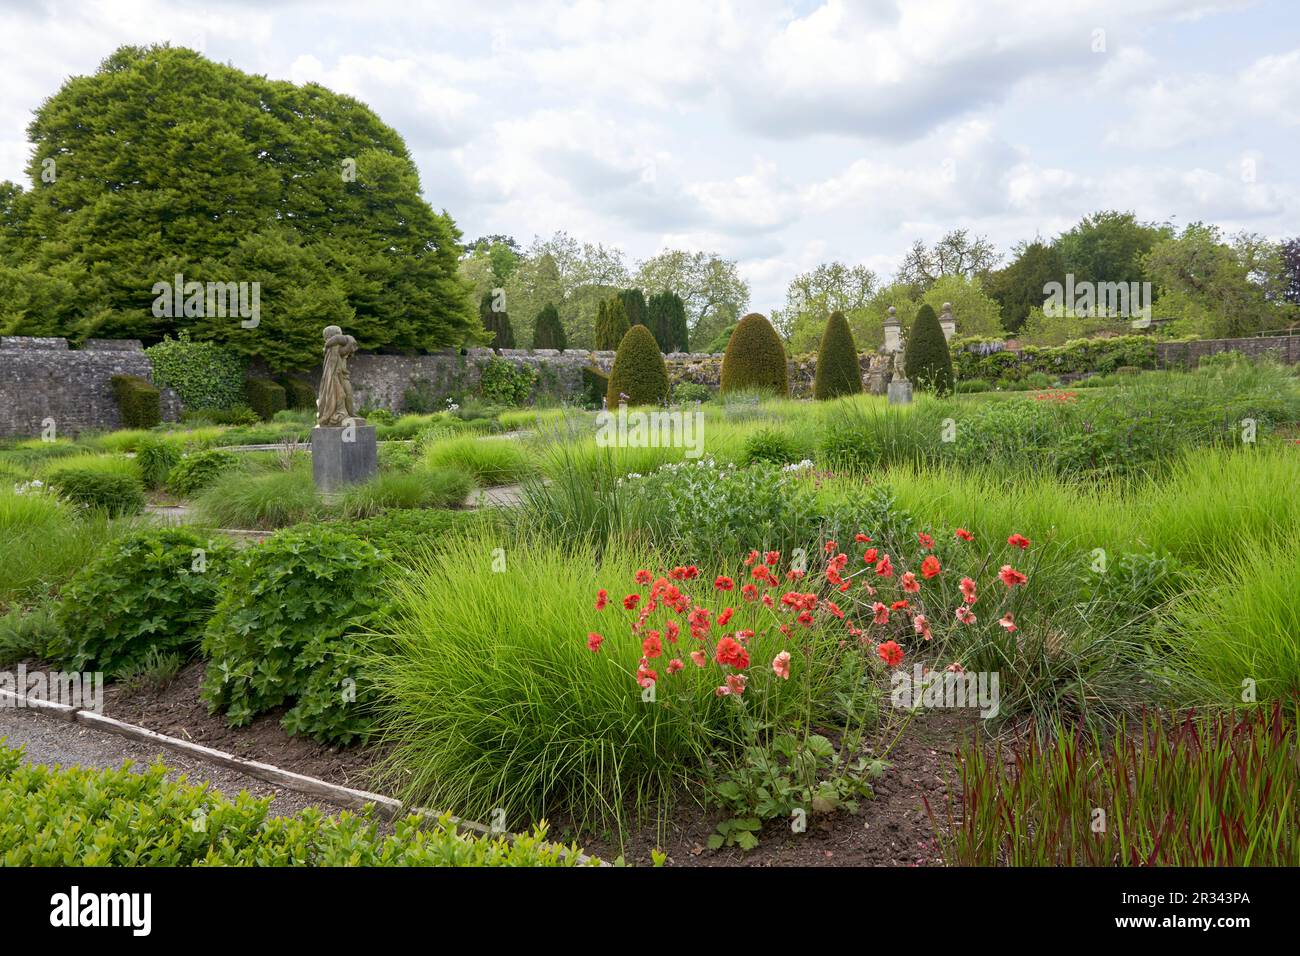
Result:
<point x="343" y="456"/>
<point x="900" y="392"/>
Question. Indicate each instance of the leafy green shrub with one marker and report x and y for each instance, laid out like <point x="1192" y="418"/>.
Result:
<point x="265" y="397"/>
<point x="595" y="385"/>
<point x="156" y="456"/>
<point x="298" y="392"/>
<point x="611" y="324"/>
<point x="411" y="534"/>
<point x="236" y="415"/>
<point x="77" y="816"/>
<point x="152" y="590"/>
<point x="139" y="404"/>
<point x="755" y="358"/>
<point x="990" y="361"/>
<point x="926" y="359"/>
<point x="377" y="416"/>
<point x="685" y="393"/>
<point x="115" y="493"/>
<point x="548" y="333"/>
<point x="285" y="632"/>
<point x="505" y="383"/>
<point x="196" y="471"/>
<point x="838" y="372"/>
<point x="236" y="499"/>
<point x="973" y="385"/>
<point x="639" y="376"/>
<point x="719" y="344"/>
<point x="421" y="488"/>
<point x="204" y="374"/>
<point x="1037" y="380"/>
<point x="772" y="445"/>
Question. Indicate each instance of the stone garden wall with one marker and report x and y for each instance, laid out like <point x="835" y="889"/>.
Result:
<point x="42" y="378"/>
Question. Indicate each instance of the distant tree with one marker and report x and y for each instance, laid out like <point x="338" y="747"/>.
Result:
<point x="611" y="324"/>
<point x="496" y="322"/>
<point x="972" y="310"/>
<point x="812" y="296"/>
<point x="1109" y="246"/>
<point x="709" y="286"/>
<point x="1289" y="253"/>
<point x="956" y="254"/>
<point x="1018" y="286"/>
<point x="548" y="332"/>
<point x="634" y="305"/>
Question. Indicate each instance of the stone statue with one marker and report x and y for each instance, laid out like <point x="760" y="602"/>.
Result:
<point x="335" y="406"/>
<point x="899" y="374"/>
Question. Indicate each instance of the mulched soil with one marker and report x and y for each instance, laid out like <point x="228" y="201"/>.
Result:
<point x="892" y="829"/>
<point x="177" y="711"/>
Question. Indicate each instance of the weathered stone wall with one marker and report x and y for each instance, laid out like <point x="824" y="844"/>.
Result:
<point x="43" y="379"/>
<point x="1285" y="347"/>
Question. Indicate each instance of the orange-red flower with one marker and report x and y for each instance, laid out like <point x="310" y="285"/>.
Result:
<point x="965" y="535"/>
<point x="594" y="641"/>
<point x="1010" y="576"/>
<point x="651" y="646"/>
<point x="910" y="584"/>
<point x="1008" y="622"/>
<point x="968" y="591"/>
<point x="602" y="598"/>
<point x="925" y="539"/>
<point x="884" y="568"/>
<point x="723" y="583"/>
<point x="890" y="653"/>
<point x="1019" y="540"/>
<point x="731" y="653"/>
<point x="631" y="601"/>
<point x="930" y="567"/>
<point x="965" y="615"/>
<point x="675" y="665"/>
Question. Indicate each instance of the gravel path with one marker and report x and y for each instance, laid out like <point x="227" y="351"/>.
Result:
<point x="55" y="742"/>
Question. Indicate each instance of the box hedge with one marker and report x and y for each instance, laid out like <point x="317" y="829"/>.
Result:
<point x="838" y="372"/>
<point x="265" y="397"/>
<point x="639" y="372"/>
<point x="138" y="403"/>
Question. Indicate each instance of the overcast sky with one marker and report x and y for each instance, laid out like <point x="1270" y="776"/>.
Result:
<point x="779" y="134"/>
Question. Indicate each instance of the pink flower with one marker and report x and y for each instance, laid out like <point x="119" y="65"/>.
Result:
<point x="781" y="665"/>
<point x="955" y="668"/>
<point x="1019" y="540"/>
<point x="921" y="624"/>
<point x="651" y="646"/>
<point x="1010" y="576"/>
<point x="910" y="584"/>
<point x="594" y="641"/>
<point x="700" y="658"/>
<point x="965" y="616"/>
<point x="881" y="613"/>
<point x="1008" y="622"/>
<point x="675" y="665"/>
<point x="736" y="683"/>
<point x="925" y="539"/>
<point x="968" y="591"/>
<point x="884" y="568"/>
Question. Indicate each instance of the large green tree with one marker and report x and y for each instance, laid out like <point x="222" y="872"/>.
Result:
<point x="163" y="162"/>
<point x="1018" y="286"/>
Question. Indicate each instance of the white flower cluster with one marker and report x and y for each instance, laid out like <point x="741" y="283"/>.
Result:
<point x="35" y="487"/>
<point x="798" y="465"/>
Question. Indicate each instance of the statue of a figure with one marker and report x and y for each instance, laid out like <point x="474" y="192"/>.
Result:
<point x="899" y="374"/>
<point x="335" y="406"/>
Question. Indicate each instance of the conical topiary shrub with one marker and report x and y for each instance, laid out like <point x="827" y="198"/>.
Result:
<point x="548" y="333"/>
<point x="611" y="324"/>
<point x="927" y="361"/>
<point x="639" y="371"/>
<point x="838" y="372"/>
<point x="755" y="358"/>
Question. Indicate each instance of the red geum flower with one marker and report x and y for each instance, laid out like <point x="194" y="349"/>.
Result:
<point x="678" y="573"/>
<point x="1008" y="622"/>
<point x="805" y="618"/>
<point x="1010" y="576"/>
<point x="910" y="584"/>
<point x="890" y="653"/>
<point x="725" y="616"/>
<point x="930" y="567"/>
<point x="643" y="576"/>
<point x="781" y="665"/>
<point x="723" y="583"/>
<point x="736" y="683"/>
<point x="651" y="646"/>
<point x="968" y="591"/>
<point x="751" y="558"/>
<point x="771" y="557"/>
<point x="730" y="652"/>
<point x="767" y="600"/>
<point x="749" y="592"/>
<point x="884" y="568"/>
<point x="602" y="598"/>
<point x="631" y="601"/>
<point x="644" y="675"/>
<point x="830" y="547"/>
<point x="925" y="539"/>
<point x="835" y="609"/>
<point x="675" y="665"/>
<point x="921" y="624"/>
<point x="869" y="556"/>
<point x="898" y="605"/>
<point x="881" y="613"/>
<point x="692" y="572"/>
<point x="1019" y="540"/>
<point x="861" y="538"/>
<point x="794" y="574"/>
<point x="594" y="641"/>
<point x="700" y="658"/>
<point x="744" y="635"/>
<point x="671" y="630"/>
<point x="965" y="535"/>
<point x="965" y="616"/>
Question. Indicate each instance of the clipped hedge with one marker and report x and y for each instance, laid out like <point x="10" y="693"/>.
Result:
<point x="265" y="397"/>
<point x="755" y="358"/>
<point x="203" y="374"/>
<point x="153" y="589"/>
<point x="77" y="816"/>
<point x="838" y="372"/>
<point x="298" y="392"/>
<point x="926" y="360"/>
<point x="138" y="403"/>
<point x="639" y="371"/>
